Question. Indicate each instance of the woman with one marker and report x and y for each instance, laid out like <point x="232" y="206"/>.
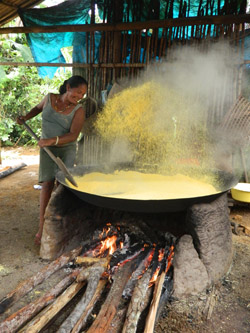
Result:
<point x="62" y="121"/>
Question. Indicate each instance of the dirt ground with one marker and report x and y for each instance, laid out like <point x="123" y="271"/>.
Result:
<point x="224" y="308"/>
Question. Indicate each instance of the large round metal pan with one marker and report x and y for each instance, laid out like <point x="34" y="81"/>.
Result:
<point x="226" y="182"/>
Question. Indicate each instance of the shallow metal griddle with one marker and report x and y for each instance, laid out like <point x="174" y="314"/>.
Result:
<point x="226" y="182"/>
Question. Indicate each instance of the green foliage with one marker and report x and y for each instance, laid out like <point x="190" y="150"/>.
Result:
<point x="21" y="88"/>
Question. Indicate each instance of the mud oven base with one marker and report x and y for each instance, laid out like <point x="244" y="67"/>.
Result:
<point x="203" y="249"/>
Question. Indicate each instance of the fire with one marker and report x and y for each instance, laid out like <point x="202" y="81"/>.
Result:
<point x="161" y="255"/>
<point x="154" y="277"/>
<point x="170" y="258"/>
<point x="108" y="244"/>
<point x="168" y="264"/>
<point x="105" y="230"/>
<point x="156" y="273"/>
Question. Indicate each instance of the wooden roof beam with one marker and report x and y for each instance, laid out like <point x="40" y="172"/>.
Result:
<point x="8" y="4"/>
<point x="223" y="19"/>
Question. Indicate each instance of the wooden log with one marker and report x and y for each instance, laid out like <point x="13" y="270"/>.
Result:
<point x="118" y="320"/>
<point x="94" y="274"/>
<point x="84" y="316"/>
<point x="137" y="303"/>
<point x="26" y="286"/>
<point x="86" y="273"/>
<point x="92" y="261"/>
<point x="150" y="321"/>
<point x="40" y="321"/>
<point x="110" y="306"/>
<point x="12" y="169"/>
<point x="17" y="319"/>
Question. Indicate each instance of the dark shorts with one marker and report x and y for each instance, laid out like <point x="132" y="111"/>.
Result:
<point x="48" y="168"/>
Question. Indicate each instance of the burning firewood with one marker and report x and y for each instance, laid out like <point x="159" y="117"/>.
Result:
<point x="92" y="261"/>
<point x="17" y="319"/>
<point x="137" y="303"/>
<point x="159" y="284"/>
<point x="150" y="321"/>
<point x="49" y="312"/>
<point x="124" y="261"/>
<point x="92" y="275"/>
<point x="82" y="320"/>
<point x="27" y="285"/>
<point x="110" y="306"/>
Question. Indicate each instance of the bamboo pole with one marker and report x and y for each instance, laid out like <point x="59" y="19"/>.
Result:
<point x="110" y="54"/>
<point x="132" y="52"/>
<point x="124" y="51"/>
<point x="105" y="59"/>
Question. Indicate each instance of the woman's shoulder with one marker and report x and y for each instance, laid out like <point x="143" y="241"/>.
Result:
<point x="52" y="96"/>
<point x="49" y="100"/>
<point x="79" y="108"/>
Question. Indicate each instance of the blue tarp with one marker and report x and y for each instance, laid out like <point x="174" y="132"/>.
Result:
<point x="46" y="47"/>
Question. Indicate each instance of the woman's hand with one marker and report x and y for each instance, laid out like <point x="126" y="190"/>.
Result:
<point x="46" y="142"/>
<point x="20" y="120"/>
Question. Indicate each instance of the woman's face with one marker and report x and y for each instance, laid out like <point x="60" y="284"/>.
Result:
<point x="75" y="94"/>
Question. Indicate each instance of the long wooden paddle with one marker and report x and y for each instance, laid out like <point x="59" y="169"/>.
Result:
<point x="57" y="160"/>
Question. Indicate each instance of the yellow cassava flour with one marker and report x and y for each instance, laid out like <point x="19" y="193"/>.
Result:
<point x="142" y="186"/>
<point x="159" y="125"/>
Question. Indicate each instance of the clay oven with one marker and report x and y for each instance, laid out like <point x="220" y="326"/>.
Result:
<point x="202" y="233"/>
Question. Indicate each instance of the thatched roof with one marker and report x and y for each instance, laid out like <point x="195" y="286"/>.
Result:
<point x="9" y="8"/>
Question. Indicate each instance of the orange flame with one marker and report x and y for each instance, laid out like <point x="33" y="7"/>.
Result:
<point x="161" y="255"/>
<point x="154" y="277"/>
<point x="170" y="258"/>
<point x="156" y="273"/>
<point x="108" y="244"/>
<point x="105" y="230"/>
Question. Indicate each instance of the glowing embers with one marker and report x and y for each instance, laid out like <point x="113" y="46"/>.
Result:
<point x="119" y="246"/>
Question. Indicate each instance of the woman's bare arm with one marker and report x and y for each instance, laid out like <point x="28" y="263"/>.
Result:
<point x="33" y="112"/>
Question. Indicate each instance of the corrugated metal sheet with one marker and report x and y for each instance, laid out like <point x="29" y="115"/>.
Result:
<point x="9" y="8"/>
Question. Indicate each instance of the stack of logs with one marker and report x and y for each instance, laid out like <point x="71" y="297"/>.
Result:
<point x="109" y="292"/>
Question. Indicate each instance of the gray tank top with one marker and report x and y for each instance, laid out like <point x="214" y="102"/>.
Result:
<point x="55" y="123"/>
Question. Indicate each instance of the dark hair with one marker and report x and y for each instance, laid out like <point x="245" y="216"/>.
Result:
<point x="74" y="82"/>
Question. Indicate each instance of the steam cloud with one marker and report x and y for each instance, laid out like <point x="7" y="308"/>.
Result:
<point x="204" y="78"/>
